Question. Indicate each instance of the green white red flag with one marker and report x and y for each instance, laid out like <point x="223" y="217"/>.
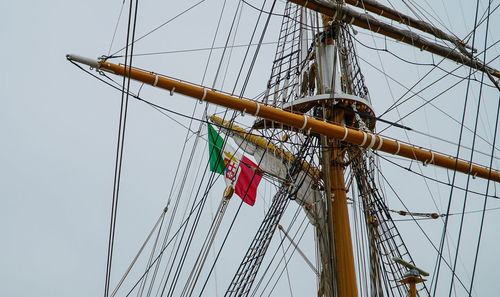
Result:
<point x="239" y="172"/>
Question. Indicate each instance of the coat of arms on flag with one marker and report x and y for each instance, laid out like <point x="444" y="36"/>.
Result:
<point x="239" y="172"/>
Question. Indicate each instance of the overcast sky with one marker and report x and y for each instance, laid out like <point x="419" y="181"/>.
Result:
<point x="58" y="131"/>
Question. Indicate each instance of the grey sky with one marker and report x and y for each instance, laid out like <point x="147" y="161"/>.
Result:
<point x="58" y="128"/>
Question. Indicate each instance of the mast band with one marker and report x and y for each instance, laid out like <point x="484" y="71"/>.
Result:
<point x="345" y="134"/>
<point x="156" y="80"/>
<point x="432" y="158"/>
<point x="172" y="91"/>
<point x="305" y="123"/>
<point x="380" y="143"/>
<point x="399" y="147"/>
<point x="364" y="139"/>
<point x="204" y="94"/>
<point x="372" y="142"/>
<point x="258" y="109"/>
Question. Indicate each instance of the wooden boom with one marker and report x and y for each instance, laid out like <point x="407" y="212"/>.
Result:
<point x="342" y="13"/>
<point x="299" y="121"/>
<point x="390" y="13"/>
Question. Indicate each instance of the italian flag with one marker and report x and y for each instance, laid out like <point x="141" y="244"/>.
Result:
<point x="239" y="172"/>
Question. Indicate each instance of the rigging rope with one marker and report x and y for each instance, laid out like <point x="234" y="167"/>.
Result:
<point x="286" y="267"/>
<point x="485" y="199"/>
<point x="116" y="27"/>
<point x="436" y="107"/>
<point x="139" y="252"/>
<point x="468" y="176"/>
<point x="156" y="28"/>
<point x="289" y="258"/>
<point x="119" y="148"/>
<point x="271" y="261"/>
<point x="445" y="227"/>
<point x="197" y="49"/>
<point x="419" y="226"/>
<point x="205" y="249"/>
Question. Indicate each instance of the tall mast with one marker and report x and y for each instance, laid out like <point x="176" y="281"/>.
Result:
<point x="334" y="166"/>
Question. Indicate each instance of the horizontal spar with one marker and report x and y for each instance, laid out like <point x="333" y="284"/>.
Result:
<point x="366" y="21"/>
<point x="388" y="12"/>
<point x="299" y="121"/>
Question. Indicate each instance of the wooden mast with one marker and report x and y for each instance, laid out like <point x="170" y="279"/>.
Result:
<point x="333" y="162"/>
<point x="338" y="211"/>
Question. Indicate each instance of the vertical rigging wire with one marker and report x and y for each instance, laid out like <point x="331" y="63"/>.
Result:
<point x="191" y="232"/>
<point x="178" y="167"/>
<point x="445" y="227"/>
<point x="485" y="199"/>
<point x="471" y="157"/>
<point x="491" y="158"/>
<point x="119" y="146"/>
<point x="234" y="114"/>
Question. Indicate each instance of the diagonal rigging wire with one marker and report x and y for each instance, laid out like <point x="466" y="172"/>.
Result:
<point x="445" y="227"/>
<point x="471" y="157"/>
<point x="158" y="27"/>
<point x="416" y="222"/>
<point x="223" y="204"/>
<point x="485" y="200"/>
<point x="241" y="94"/>
<point x="286" y="261"/>
<point x="433" y="105"/>
<point x="475" y="26"/>
<point x="191" y="233"/>
<point x="175" y="277"/>
<point x="163" y="249"/>
<point x="116" y="28"/>
<point x="406" y="60"/>
<point x="119" y="149"/>
<point x="430" y="178"/>
<point x="425" y="14"/>
<point x="396" y="104"/>
<point x="286" y="267"/>
<point x="160" y="219"/>
<point x="198" y="49"/>
<point x="265" y="272"/>
<point x="185" y="177"/>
